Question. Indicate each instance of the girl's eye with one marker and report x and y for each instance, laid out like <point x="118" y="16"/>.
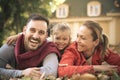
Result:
<point x="65" y="39"/>
<point x="57" y="38"/>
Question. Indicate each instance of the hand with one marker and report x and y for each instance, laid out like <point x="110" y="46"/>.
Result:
<point x="12" y="39"/>
<point x="105" y="68"/>
<point x="31" y="72"/>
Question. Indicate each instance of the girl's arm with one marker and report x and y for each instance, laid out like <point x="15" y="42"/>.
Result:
<point x="12" y="39"/>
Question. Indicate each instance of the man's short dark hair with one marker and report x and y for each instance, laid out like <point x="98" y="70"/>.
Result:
<point x="38" y="17"/>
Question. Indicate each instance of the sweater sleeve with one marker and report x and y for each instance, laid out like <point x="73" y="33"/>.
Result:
<point x="50" y="65"/>
<point x="7" y="57"/>
<point x="9" y="73"/>
<point x="113" y="59"/>
<point x="73" y="66"/>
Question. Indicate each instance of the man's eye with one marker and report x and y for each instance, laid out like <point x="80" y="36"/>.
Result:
<point x="32" y="30"/>
<point x="41" y="32"/>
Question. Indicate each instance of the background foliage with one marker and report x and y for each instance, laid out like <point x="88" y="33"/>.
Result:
<point x="13" y="14"/>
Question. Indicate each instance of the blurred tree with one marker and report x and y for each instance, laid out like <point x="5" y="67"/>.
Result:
<point x="13" y="14"/>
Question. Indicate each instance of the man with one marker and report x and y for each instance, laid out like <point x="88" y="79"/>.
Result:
<point x="32" y="55"/>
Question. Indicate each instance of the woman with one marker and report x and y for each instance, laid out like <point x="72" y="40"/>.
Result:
<point x="87" y="53"/>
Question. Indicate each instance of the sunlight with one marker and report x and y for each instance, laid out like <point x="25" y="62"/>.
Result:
<point x="0" y="9"/>
<point x="55" y="3"/>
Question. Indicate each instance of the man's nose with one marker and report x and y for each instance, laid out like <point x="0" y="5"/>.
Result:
<point x="36" y="35"/>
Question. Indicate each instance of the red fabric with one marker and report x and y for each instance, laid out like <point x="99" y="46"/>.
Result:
<point x="32" y="58"/>
<point x="77" y="63"/>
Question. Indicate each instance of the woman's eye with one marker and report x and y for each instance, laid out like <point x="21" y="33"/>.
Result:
<point x="83" y="38"/>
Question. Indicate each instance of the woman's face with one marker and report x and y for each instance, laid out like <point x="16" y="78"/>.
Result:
<point x="61" y="39"/>
<point x="85" y="41"/>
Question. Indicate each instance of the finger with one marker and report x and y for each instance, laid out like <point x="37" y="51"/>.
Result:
<point x="42" y="75"/>
<point x="35" y="68"/>
<point x="62" y="65"/>
<point x="36" y="73"/>
<point x="9" y="41"/>
<point x="114" y="66"/>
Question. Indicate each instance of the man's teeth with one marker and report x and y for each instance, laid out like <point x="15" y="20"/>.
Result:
<point x="34" y="41"/>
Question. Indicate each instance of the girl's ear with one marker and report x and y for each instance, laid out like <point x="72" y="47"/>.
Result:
<point x="70" y="40"/>
<point x="47" y="35"/>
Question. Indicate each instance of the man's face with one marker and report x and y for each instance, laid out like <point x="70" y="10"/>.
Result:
<point x="35" y="34"/>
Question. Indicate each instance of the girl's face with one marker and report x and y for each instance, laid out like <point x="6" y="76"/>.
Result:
<point x="61" y="39"/>
<point x="85" y="41"/>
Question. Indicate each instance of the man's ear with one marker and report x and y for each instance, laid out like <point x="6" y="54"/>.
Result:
<point x="24" y="29"/>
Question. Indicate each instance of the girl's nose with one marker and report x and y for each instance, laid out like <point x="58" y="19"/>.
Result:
<point x="61" y="41"/>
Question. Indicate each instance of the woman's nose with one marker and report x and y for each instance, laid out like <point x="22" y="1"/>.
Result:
<point x="79" y="39"/>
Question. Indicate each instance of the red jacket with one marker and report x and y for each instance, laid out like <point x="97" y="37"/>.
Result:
<point x="77" y="62"/>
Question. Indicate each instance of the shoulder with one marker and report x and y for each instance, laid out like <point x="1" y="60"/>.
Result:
<point x="7" y="52"/>
<point x="49" y="42"/>
<point x="71" y="50"/>
<point x="72" y="46"/>
<point x="52" y="55"/>
<point x="6" y="47"/>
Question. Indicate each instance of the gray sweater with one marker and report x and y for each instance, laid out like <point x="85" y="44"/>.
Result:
<point x="50" y="63"/>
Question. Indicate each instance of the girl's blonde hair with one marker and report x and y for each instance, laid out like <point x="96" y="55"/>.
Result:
<point x="61" y="27"/>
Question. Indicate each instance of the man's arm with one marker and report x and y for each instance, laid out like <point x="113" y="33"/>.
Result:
<point x="7" y="57"/>
<point x="50" y="65"/>
<point x="10" y="73"/>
